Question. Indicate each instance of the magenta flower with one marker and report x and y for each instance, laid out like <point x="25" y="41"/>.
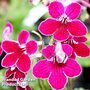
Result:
<point x="57" y="66"/>
<point x="79" y="46"/>
<point x="18" y="52"/>
<point x="64" y="22"/>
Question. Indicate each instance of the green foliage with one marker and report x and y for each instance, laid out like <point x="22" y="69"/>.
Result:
<point x="16" y="12"/>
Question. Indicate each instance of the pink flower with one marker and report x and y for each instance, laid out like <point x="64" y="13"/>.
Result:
<point x="64" y="22"/>
<point x="57" y="66"/>
<point x="18" y="52"/>
<point x="7" y="31"/>
<point x="79" y="46"/>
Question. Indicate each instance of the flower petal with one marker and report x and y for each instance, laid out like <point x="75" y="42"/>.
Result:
<point x="73" y="10"/>
<point x="9" y="60"/>
<point x="1" y="50"/>
<point x="80" y="39"/>
<point x="67" y="49"/>
<point x="8" y="73"/>
<point x="56" y="9"/>
<point x="19" y="75"/>
<point x="11" y="80"/>
<point x="7" y="31"/>
<point x="28" y="88"/>
<point x="72" y="68"/>
<point x="49" y="26"/>
<point x="57" y="80"/>
<point x="61" y="34"/>
<point x="49" y="51"/>
<point x="41" y="69"/>
<point x="19" y="88"/>
<point x="24" y="63"/>
<point x="9" y="25"/>
<point x="31" y="47"/>
<point x="23" y="36"/>
<point x="73" y="56"/>
<point x="77" y="28"/>
<point x="10" y="46"/>
<point x="81" y="49"/>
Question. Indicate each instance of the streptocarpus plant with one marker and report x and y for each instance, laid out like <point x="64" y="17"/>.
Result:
<point x="60" y="62"/>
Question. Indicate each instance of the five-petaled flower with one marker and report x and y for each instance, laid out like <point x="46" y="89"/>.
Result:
<point x="57" y="66"/>
<point x="64" y="22"/>
<point x="18" y="52"/>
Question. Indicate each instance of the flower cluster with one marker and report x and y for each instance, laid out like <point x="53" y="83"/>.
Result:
<point x="69" y="42"/>
<point x="17" y="58"/>
<point x="60" y="64"/>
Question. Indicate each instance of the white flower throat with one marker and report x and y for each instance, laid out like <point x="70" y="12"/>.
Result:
<point x="60" y="54"/>
<point x="64" y="19"/>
